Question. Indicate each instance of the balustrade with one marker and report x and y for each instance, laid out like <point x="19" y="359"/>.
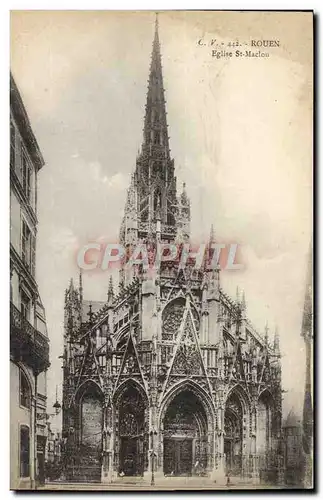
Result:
<point x="26" y="342"/>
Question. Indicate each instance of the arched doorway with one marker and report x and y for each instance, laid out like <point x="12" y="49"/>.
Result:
<point x="89" y="459"/>
<point x="132" y="433"/>
<point x="233" y="418"/>
<point x="185" y="436"/>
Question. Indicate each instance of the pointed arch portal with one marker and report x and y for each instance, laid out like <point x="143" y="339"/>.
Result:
<point x="233" y="418"/>
<point x="185" y="435"/>
<point x="89" y="456"/>
<point x="131" y="422"/>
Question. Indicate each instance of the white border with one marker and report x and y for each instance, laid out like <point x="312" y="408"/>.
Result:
<point x="5" y="7"/>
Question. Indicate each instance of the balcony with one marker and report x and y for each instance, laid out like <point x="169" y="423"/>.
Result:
<point x="26" y="343"/>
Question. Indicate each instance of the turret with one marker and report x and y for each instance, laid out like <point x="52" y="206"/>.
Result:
<point x="266" y="334"/>
<point x="110" y="291"/>
<point x="110" y="305"/>
<point x="276" y="342"/>
<point x="183" y="217"/>
<point x="243" y="309"/>
<point x="215" y="323"/>
<point x="148" y="305"/>
<point x="152" y="193"/>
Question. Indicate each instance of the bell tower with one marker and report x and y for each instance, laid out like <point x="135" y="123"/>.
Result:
<point x="152" y="207"/>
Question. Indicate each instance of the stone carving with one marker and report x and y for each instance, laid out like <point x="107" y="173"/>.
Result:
<point x="172" y="318"/>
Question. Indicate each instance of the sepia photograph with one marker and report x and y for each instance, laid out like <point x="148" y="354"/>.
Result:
<point x="161" y="250"/>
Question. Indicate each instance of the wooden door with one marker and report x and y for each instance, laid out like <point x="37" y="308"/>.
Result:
<point x="184" y="463"/>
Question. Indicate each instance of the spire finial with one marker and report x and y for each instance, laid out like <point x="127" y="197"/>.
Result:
<point x="156" y="23"/>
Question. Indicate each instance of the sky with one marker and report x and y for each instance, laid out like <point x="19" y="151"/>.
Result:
<point x="240" y="133"/>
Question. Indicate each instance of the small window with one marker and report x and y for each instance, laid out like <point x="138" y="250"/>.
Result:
<point x="33" y="255"/>
<point x="170" y="219"/>
<point x="26" y="244"/>
<point x="24" y="451"/>
<point x="25" y="305"/>
<point x="25" y="392"/>
<point x="144" y="215"/>
<point x="26" y="176"/>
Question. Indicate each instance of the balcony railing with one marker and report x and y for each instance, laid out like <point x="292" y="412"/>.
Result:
<point x="27" y="343"/>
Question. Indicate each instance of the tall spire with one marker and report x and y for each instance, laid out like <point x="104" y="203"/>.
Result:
<point x="155" y="126"/>
<point x="153" y="205"/>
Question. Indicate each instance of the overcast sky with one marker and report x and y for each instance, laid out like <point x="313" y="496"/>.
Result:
<point x="240" y="133"/>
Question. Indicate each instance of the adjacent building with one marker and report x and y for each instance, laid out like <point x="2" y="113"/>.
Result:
<point x="29" y="346"/>
<point x="168" y="377"/>
<point x="53" y="453"/>
<point x="308" y="417"/>
<point x="293" y="451"/>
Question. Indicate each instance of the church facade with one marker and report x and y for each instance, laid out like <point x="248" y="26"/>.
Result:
<point x="168" y="377"/>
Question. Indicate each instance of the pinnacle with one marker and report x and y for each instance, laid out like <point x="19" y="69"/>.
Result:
<point x="110" y="290"/>
<point x="212" y="234"/>
<point x="243" y="301"/>
<point x="266" y="332"/>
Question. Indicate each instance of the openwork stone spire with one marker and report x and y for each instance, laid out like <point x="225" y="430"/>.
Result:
<point x="152" y="195"/>
<point x="155" y="126"/>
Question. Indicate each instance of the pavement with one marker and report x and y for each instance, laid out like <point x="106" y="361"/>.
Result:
<point x="161" y="484"/>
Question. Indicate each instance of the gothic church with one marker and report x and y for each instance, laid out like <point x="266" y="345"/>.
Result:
<point x="168" y="377"/>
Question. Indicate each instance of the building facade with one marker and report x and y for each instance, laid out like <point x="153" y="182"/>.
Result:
<point x="293" y="451"/>
<point x="308" y="416"/>
<point x="168" y="377"/>
<point x="29" y="346"/>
